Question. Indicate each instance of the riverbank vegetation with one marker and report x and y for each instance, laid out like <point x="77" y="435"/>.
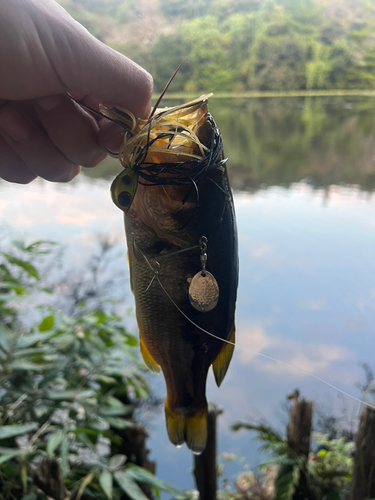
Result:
<point x="240" y="45"/>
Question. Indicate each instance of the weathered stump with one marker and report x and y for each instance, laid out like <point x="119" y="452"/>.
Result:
<point x="298" y="436"/>
<point x="205" y="470"/>
<point x="49" y="479"/>
<point x="364" y="459"/>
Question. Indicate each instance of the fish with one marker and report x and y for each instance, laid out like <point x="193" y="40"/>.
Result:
<point x="182" y="250"/>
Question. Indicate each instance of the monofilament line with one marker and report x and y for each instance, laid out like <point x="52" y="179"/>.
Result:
<point x="271" y="358"/>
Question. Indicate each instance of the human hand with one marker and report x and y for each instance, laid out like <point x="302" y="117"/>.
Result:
<point x="44" y="54"/>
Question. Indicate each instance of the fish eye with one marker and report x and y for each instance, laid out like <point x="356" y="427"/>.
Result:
<point x="124" y="199"/>
<point x="126" y="180"/>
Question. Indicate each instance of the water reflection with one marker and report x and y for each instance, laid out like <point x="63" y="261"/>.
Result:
<point x="307" y="286"/>
<point x="276" y="142"/>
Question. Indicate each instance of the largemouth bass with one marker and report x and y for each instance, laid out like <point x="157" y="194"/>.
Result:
<point x="182" y="248"/>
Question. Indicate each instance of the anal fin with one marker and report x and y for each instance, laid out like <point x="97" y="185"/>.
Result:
<point x="221" y="363"/>
<point x="148" y="359"/>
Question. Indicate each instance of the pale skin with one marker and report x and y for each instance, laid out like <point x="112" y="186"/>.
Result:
<point x="45" y="54"/>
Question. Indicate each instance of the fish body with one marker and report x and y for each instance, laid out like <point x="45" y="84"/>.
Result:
<point x="165" y="226"/>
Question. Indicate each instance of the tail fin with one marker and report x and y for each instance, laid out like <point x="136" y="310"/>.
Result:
<point x="191" y="429"/>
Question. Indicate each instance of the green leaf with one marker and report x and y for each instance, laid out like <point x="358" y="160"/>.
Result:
<point x="54" y="442"/>
<point x="286" y="481"/>
<point x="84" y="483"/>
<point x="86" y="441"/>
<point x="119" y="423"/>
<point x="24" y="478"/>
<point x="30" y="496"/>
<point x="62" y="395"/>
<point x="106" y="483"/>
<point x="47" y="324"/>
<point x="5" y="334"/>
<point x="40" y="247"/>
<point x="28" y="340"/>
<point x="23" y="364"/>
<point x="37" y="247"/>
<point x="19" y="244"/>
<point x="8" y="456"/>
<point x="144" y="476"/>
<point x="23" y="264"/>
<point x="115" y="408"/>
<point x="7" y="431"/>
<point x="128" y="486"/>
<point x="116" y="462"/>
<point x="64" y="455"/>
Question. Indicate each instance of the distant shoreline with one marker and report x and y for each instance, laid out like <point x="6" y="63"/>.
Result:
<point x="274" y="93"/>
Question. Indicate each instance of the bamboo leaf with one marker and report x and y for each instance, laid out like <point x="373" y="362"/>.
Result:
<point x="4" y="338"/>
<point x="62" y="395"/>
<point x="119" y="423"/>
<point x="85" y="482"/>
<point x="128" y="486"/>
<point x="142" y="475"/>
<point x="8" y="431"/>
<point x="11" y="454"/>
<point x="24" y="478"/>
<point x="106" y="483"/>
<point x="23" y="364"/>
<point x="54" y="442"/>
<point x="23" y="264"/>
<point x="116" y="462"/>
<point x="64" y="455"/>
<point x="29" y="340"/>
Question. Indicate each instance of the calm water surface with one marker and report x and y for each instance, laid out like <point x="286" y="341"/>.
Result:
<point x="303" y="172"/>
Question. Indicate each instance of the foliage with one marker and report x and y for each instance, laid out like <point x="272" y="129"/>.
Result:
<point x="67" y="386"/>
<point x="328" y="469"/>
<point x="243" y="44"/>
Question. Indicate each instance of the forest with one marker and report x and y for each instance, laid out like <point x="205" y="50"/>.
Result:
<point x="240" y="45"/>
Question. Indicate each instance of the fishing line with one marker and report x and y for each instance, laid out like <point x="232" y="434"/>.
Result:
<point x="271" y="358"/>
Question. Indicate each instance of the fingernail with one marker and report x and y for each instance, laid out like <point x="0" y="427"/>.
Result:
<point x="13" y="125"/>
<point x="49" y="102"/>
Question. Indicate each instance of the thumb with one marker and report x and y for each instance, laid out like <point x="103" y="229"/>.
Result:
<point x="109" y="77"/>
<point x="87" y="66"/>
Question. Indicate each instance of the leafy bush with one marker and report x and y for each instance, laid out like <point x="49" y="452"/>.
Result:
<point x="328" y="469"/>
<point x="66" y="391"/>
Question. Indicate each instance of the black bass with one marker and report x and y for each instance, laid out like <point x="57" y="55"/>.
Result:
<point x="182" y="247"/>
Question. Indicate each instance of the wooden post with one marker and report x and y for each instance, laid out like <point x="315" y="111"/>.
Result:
<point x="205" y="470"/>
<point x="298" y="435"/>
<point x="364" y="459"/>
<point x="49" y="479"/>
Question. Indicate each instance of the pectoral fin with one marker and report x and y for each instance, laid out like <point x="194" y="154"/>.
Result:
<point x="148" y="359"/>
<point x="221" y="363"/>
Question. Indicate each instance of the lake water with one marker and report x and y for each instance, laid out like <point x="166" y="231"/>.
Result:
<point x="303" y="173"/>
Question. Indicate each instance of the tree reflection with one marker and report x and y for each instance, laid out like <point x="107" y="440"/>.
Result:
<point x="280" y="141"/>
